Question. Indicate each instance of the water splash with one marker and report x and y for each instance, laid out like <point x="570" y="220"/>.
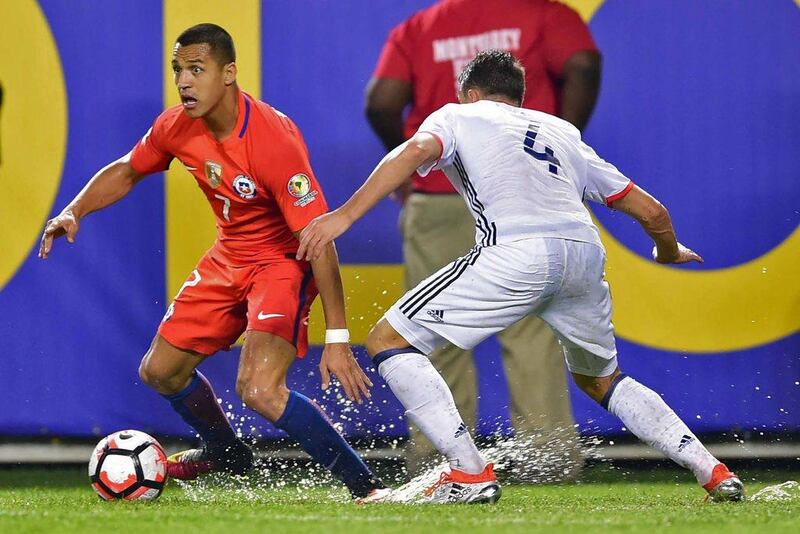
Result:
<point x="536" y="458"/>
<point x="278" y="481"/>
<point x="788" y="491"/>
<point x="531" y="458"/>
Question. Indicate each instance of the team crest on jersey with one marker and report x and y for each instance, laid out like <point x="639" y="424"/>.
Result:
<point x="213" y="173"/>
<point x="300" y="187"/>
<point x="245" y="186"/>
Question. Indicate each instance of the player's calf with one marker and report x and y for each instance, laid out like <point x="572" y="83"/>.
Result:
<point x="262" y="384"/>
<point x="424" y="394"/>
<point x="649" y="418"/>
<point x="172" y="372"/>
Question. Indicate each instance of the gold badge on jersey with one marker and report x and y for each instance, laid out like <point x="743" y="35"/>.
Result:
<point x="213" y="173"/>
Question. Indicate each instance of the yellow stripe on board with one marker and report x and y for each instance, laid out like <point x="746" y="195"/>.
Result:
<point x="585" y="8"/>
<point x="190" y="222"/>
<point x="369" y="291"/>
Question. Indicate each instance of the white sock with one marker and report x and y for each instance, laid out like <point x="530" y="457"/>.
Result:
<point x="429" y="404"/>
<point x="646" y="414"/>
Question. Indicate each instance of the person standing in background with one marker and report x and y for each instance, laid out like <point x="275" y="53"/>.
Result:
<point x="417" y="68"/>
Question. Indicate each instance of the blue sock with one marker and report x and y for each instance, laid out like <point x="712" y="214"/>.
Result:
<point x="197" y="405"/>
<point x="305" y="422"/>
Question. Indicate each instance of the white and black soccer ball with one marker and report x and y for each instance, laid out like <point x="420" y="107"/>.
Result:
<point x="128" y="465"/>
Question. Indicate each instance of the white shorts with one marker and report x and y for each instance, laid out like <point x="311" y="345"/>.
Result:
<point x="491" y="288"/>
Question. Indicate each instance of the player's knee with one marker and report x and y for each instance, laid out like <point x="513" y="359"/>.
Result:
<point x="594" y="386"/>
<point x="383" y="337"/>
<point x="160" y="378"/>
<point x="146" y="372"/>
<point x="371" y="344"/>
<point x="596" y="390"/>
<point x="269" y="401"/>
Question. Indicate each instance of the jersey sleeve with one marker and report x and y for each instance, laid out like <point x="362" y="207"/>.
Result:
<point x="293" y="184"/>
<point x="149" y="154"/>
<point x="565" y="33"/>
<point x="440" y="125"/>
<point x="604" y="183"/>
<point x="395" y="59"/>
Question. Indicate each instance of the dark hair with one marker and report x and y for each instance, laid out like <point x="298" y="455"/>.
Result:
<point x="494" y="72"/>
<point x="217" y="39"/>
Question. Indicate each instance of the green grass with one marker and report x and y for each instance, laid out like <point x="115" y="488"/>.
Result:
<point x="60" y="500"/>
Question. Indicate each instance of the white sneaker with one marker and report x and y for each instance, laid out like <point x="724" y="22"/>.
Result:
<point x="459" y="487"/>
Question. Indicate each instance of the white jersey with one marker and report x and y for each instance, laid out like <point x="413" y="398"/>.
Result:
<point x="523" y="173"/>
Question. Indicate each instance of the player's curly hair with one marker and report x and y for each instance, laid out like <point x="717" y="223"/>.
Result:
<point x="218" y="40"/>
<point x="494" y="72"/>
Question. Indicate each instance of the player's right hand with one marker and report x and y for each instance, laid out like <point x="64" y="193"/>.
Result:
<point x="64" y="224"/>
<point x="319" y="232"/>
<point x="684" y="255"/>
<point x="337" y="359"/>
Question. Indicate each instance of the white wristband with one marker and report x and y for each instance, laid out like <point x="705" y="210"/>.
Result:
<point x="340" y="335"/>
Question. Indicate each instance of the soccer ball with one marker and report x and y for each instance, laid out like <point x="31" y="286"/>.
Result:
<point x="128" y="465"/>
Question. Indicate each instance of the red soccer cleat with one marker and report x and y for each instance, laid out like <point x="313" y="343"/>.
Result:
<point x="236" y="459"/>
<point x="460" y="487"/>
<point x="724" y="485"/>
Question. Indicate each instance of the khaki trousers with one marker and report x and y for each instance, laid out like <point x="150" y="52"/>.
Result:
<point x="436" y="230"/>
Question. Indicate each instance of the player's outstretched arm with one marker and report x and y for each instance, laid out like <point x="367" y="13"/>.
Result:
<point x="337" y="358"/>
<point x="391" y="172"/>
<point x="655" y="220"/>
<point x="110" y="184"/>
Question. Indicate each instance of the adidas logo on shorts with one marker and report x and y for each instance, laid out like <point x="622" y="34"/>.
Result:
<point x="437" y="315"/>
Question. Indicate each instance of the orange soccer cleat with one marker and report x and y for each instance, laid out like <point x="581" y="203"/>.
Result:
<point x="459" y="487"/>
<point x="724" y="485"/>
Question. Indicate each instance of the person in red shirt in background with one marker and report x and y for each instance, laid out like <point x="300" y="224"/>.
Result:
<point x="418" y="68"/>
<point x="252" y="164"/>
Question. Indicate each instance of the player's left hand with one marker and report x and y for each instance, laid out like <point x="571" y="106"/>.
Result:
<point x="684" y="255"/>
<point x="65" y="223"/>
<point x="338" y="359"/>
<point x="319" y="232"/>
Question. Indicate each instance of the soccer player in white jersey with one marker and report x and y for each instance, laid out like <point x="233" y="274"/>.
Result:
<point x="525" y="175"/>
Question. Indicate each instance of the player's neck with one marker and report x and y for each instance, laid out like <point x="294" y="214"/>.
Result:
<point x="221" y="120"/>
<point x="501" y="99"/>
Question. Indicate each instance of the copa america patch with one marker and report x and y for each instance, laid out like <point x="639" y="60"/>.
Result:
<point x="299" y="186"/>
<point x="245" y="186"/>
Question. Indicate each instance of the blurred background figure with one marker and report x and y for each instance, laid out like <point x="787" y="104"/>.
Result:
<point x="417" y="69"/>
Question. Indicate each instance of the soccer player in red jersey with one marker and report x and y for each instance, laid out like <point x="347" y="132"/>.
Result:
<point x="252" y="164"/>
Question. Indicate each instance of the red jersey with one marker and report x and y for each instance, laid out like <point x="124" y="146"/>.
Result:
<point x="430" y="49"/>
<point x="258" y="180"/>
